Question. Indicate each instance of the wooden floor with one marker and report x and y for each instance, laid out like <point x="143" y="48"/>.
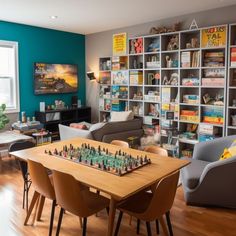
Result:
<point x="186" y="220"/>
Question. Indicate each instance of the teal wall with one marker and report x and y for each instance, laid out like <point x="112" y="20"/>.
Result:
<point x="44" y="45"/>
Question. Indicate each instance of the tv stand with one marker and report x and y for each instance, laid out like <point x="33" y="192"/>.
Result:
<point x="52" y="118"/>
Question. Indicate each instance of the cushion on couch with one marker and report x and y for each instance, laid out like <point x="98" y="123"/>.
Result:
<point x="229" y="152"/>
<point x="191" y="174"/>
<point x="121" y="116"/>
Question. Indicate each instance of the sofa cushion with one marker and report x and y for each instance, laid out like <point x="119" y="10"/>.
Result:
<point x="121" y="116"/>
<point x="190" y="175"/>
<point x="229" y="152"/>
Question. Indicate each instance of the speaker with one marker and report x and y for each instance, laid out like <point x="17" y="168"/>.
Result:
<point x="74" y="101"/>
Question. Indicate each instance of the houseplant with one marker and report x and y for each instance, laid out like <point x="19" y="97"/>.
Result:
<point x="3" y="118"/>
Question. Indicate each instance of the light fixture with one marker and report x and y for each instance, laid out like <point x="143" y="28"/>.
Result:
<point x="91" y="75"/>
<point x="54" y="17"/>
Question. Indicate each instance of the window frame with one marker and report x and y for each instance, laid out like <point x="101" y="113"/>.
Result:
<point x="16" y="93"/>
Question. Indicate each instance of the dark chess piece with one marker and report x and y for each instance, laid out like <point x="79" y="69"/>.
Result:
<point x="65" y="148"/>
<point x="119" y="152"/>
<point x="88" y="146"/>
<point x="123" y="154"/>
<point x="99" y="166"/>
<point x="126" y="169"/>
<point x="80" y="159"/>
<point x="45" y="151"/>
<point x="149" y="160"/>
<point x="145" y="158"/>
<point x="49" y="152"/>
<point x="107" y="151"/>
<point x="60" y="153"/>
<point x="141" y="160"/>
<point x="91" y="162"/>
<point x="99" y="148"/>
<point x="55" y="152"/>
<point x="103" y="149"/>
<point x="108" y="168"/>
<point x="119" y="172"/>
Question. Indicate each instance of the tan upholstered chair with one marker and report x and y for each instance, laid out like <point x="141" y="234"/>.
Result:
<point x="43" y="187"/>
<point x="80" y="201"/>
<point x="148" y="206"/>
<point x="156" y="150"/>
<point x="120" y="143"/>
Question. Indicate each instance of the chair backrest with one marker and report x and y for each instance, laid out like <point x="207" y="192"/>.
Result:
<point x="120" y="143"/>
<point x="157" y="150"/>
<point x="69" y="193"/>
<point x="20" y="145"/>
<point x="40" y="179"/>
<point x="163" y="197"/>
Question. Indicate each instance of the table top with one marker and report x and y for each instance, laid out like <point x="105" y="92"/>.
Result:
<point x="9" y="137"/>
<point x="118" y="187"/>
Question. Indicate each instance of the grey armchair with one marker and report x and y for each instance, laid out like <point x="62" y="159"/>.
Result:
<point x="207" y="181"/>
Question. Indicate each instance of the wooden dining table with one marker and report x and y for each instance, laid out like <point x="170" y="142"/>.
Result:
<point x="117" y="187"/>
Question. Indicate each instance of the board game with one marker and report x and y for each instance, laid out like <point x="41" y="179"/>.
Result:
<point x="99" y="158"/>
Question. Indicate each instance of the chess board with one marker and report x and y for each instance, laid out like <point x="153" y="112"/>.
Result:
<point x="118" y="164"/>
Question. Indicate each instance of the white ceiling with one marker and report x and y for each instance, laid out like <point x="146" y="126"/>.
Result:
<point x="91" y="16"/>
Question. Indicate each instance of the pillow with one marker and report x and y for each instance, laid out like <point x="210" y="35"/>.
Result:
<point x="121" y="116"/>
<point x="96" y="126"/>
<point x="229" y="152"/>
<point x="78" y="126"/>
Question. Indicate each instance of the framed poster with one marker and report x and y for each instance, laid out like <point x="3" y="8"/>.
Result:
<point x="119" y="44"/>
<point x="214" y="37"/>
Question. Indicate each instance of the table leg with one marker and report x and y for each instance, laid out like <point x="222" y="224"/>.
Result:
<point x="163" y="225"/>
<point x="112" y="211"/>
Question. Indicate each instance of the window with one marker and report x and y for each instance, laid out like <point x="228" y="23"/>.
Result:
<point x="9" y="90"/>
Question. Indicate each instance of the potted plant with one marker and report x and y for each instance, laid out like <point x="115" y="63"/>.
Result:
<point x="3" y="118"/>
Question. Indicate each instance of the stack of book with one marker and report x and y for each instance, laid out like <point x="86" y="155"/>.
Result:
<point x="213" y="59"/>
<point x="233" y="57"/>
<point x="213" y="115"/>
<point x="190" y="59"/>
<point x="119" y="92"/>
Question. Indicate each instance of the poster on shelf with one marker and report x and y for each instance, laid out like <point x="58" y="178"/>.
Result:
<point x="214" y="37"/>
<point x="119" y="44"/>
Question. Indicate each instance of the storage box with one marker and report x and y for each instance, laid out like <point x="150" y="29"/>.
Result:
<point x="213" y="82"/>
<point x="207" y="129"/>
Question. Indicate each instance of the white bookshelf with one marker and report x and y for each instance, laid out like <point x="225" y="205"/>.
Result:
<point x="231" y="86"/>
<point x="179" y="89"/>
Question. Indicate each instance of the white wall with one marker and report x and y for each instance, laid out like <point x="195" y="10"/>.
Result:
<point x="100" y="44"/>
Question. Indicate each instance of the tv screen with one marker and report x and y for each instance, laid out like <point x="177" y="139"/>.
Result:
<point x="55" y="78"/>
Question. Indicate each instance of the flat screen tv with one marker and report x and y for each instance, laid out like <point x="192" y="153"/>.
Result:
<point x="55" y="78"/>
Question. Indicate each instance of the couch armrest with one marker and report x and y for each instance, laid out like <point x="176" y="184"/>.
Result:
<point x="219" y="170"/>
<point x="212" y="150"/>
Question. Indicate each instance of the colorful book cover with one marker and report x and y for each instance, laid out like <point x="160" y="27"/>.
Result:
<point x="214" y="37"/>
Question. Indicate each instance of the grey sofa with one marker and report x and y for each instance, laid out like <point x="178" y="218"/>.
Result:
<point x="105" y="132"/>
<point x="207" y="181"/>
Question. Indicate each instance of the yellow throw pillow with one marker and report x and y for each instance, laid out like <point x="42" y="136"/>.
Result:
<point x="229" y="152"/>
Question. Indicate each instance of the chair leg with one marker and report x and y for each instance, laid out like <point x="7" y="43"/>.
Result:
<point x="24" y="195"/>
<point x="157" y="227"/>
<point x="27" y="195"/>
<point x="118" y="223"/>
<point x="149" y="232"/>
<point x="32" y="204"/>
<point x="40" y="210"/>
<point x="169" y="223"/>
<point x="84" y="226"/>
<point x="52" y="217"/>
<point x="130" y="220"/>
<point x="138" y="226"/>
<point x="107" y="209"/>
<point x="59" y="221"/>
